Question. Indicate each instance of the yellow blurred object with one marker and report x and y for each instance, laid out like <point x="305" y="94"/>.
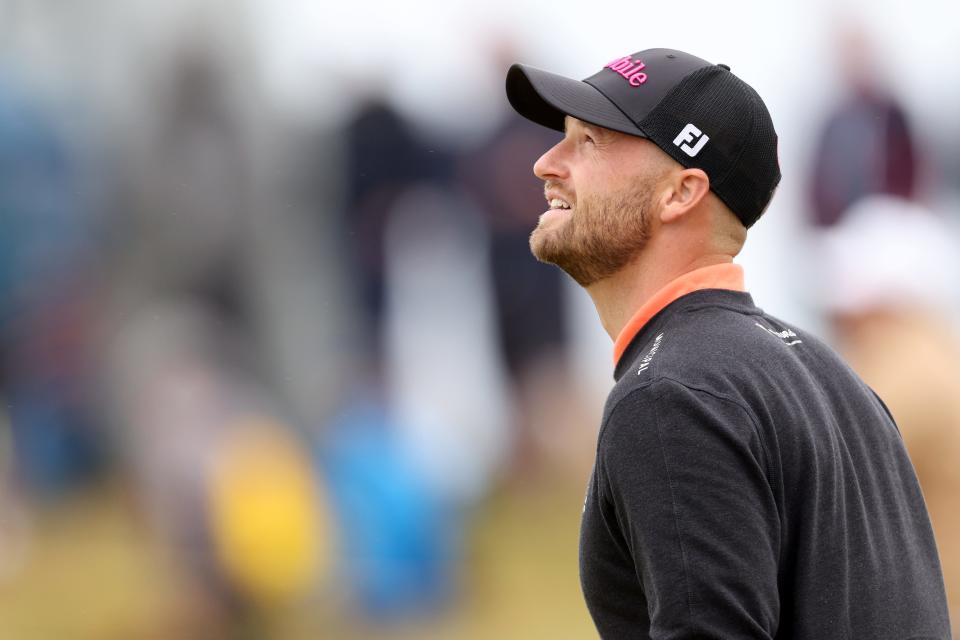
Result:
<point x="266" y="514"/>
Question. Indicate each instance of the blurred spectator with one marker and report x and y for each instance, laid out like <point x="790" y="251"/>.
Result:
<point x="47" y="288"/>
<point x="383" y="158"/>
<point x="529" y="301"/>
<point x="499" y="177"/>
<point x="226" y="487"/>
<point x="891" y="277"/>
<point x="419" y="439"/>
<point x="398" y="543"/>
<point x="225" y="483"/>
<point x="446" y="391"/>
<point x="416" y="441"/>
<point x="866" y="145"/>
<point x="182" y="220"/>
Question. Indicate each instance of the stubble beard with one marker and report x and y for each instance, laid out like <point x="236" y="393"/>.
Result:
<point x="601" y="236"/>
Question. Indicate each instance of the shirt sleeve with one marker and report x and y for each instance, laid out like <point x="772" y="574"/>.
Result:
<point x="685" y="471"/>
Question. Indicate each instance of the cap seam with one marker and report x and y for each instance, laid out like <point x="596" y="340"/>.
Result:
<point x="715" y="185"/>
<point x="743" y="148"/>
<point x="610" y="100"/>
<point x="672" y="151"/>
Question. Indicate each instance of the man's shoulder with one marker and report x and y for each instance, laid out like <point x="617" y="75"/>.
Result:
<point x="729" y="351"/>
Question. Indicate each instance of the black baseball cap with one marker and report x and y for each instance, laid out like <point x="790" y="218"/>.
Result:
<point x="699" y="113"/>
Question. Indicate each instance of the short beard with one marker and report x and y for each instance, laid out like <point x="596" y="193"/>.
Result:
<point x="600" y="238"/>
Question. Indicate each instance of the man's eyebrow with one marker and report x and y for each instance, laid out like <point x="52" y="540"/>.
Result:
<point x="594" y="129"/>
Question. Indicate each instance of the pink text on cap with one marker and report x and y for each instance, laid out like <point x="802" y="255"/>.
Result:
<point x="629" y="69"/>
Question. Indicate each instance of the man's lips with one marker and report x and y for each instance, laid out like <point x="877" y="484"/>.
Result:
<point x="555" y="212"/>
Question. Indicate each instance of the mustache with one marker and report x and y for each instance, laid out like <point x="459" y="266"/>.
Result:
<point x="553" y="185"/>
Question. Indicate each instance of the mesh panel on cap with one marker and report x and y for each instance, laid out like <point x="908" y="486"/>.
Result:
<point x="741" y="155"/>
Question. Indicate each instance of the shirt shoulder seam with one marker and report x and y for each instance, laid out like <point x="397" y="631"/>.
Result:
<point x="604" y="490"/>
<point x="754" y="422"/>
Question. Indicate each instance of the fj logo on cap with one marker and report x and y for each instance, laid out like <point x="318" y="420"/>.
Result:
<point x="688" y="135"/>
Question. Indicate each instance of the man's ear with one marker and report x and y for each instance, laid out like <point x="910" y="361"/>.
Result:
<point x="685" y="190"/>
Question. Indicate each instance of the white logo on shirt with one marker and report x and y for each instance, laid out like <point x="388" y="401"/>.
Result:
<point x="647" y="359"/>
<point x="785" y="335"/>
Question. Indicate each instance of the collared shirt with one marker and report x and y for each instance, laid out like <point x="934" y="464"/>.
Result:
<point x="749" y="485"/>
<point x="718" y="276"/>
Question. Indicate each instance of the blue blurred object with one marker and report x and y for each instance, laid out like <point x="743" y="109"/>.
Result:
<point x="398" y="543"/>
<point x="43" y="226"/>
<point x="45" y="241"/>
<point x="55" y="451"/>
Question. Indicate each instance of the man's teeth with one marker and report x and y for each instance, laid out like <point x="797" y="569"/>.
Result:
<point x="557" y="203"/>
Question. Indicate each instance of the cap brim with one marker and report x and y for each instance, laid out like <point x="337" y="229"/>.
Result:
<point x="546" y="98"/>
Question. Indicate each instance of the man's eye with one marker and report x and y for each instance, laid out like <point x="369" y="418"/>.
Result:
<point x="587" y="138"/>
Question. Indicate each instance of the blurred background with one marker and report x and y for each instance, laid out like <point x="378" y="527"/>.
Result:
<point x="275" y="361"/>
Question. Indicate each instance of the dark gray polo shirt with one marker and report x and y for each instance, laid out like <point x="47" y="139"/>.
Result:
<point x="749" y="485"/>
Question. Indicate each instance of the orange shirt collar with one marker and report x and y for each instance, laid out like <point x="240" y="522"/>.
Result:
<point x="717" y="276"/>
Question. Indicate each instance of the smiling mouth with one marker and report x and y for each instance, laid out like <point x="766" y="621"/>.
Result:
<point x="557" y="203"/>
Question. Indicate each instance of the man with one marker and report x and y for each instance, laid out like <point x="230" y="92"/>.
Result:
<point x="747" y="483"/>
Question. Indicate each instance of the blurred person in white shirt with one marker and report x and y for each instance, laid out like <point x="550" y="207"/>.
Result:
<point x="891" y="280"/>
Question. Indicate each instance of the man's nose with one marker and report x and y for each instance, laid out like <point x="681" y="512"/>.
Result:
<point x="551" y="164"/>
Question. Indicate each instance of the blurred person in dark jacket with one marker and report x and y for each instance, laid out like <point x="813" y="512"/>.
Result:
<point x="384" y="159"/>
<point x="528" y="294"/>
<point x="530" y="305"/>
<point x="866" y="145"/>
<point x="529" y="302"/>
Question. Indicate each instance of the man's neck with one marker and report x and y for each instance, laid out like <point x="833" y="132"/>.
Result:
<point x="618" y="297"/>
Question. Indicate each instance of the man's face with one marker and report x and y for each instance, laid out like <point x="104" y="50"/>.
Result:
<point x="600" y="185"/>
